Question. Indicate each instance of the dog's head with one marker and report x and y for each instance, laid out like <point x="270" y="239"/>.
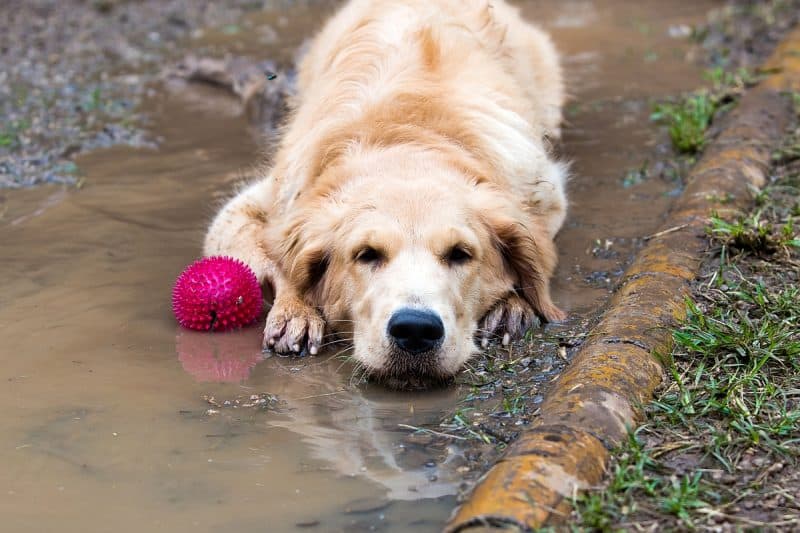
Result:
<point x="404" y="266"/>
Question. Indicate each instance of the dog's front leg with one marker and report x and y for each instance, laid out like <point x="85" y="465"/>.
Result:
<point x="239" y="230"/>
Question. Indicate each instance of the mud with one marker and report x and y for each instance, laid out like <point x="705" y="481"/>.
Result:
<point x="115" y="418"/>
<point x="73" y="73"/>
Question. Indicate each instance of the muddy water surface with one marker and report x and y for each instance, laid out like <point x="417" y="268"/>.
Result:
<point x="116" y="420"/>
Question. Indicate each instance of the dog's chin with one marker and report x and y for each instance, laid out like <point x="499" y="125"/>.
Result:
<point x="407" y="382"/>
<point x="406" y="372"/>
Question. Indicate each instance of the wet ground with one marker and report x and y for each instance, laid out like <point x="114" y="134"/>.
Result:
<point x="117" y="419"/>
<point x="72" y="74"/>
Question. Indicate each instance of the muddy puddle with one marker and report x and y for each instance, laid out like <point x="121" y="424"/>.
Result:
<point x="116" y="420"/>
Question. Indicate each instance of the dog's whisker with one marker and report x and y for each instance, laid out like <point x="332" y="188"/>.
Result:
<point x="356" y="369"/>
<point x="340" y="352"/>
<point x="337" y="341"/>
<point x="358" y="375"/>
<point x="329" y="336"/>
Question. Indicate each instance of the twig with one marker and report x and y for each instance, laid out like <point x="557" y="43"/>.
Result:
<point x="426" y="430"/>
<point x="665" y="232"/>
<point x="316" y="396"/>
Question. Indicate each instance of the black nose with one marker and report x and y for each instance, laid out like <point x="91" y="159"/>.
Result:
<point x="416" y="331"/>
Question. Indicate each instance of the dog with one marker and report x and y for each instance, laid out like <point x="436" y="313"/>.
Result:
<point x="413" y="199"/>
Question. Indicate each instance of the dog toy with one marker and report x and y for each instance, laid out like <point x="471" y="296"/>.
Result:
<point x="216" y="293"/>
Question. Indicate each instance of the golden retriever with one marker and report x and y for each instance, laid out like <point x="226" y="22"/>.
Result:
<point x="413" y="199"/>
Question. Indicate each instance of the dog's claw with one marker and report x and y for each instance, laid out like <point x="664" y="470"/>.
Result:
<point x="293" y="327"/>
<point x="509" y="319"/>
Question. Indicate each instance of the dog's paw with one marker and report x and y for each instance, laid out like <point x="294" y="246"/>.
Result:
<point x="509" y="319"/>
<point x="293" y="327"/>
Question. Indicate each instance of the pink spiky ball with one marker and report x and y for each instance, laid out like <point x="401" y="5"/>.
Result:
<point x="216" y="293"/>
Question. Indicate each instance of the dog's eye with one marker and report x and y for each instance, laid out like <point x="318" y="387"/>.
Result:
<point x="457" y="256"/>
<point x="368" y="255"/>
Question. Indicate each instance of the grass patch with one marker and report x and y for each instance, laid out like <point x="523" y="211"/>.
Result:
<point x="689" y="118"/>
<point x="687" y="121"/>
<point x="726" y="84"/>
<point x="755" y="233"/>
<point x="10" y="133"/>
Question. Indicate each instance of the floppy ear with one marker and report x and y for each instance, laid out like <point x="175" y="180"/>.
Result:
<point x="303" y="251"/>
<point x="528" y="252"/>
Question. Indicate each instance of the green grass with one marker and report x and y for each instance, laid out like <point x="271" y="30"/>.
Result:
<point x="736" y="374"/>
<point x="630" y="476"/>
<point x="754" y="233"/>
<point x="687" y="120"/>
<point x="636" y="481"/>
<point x="726" y="82"/>
<point x="9" y="134"/>
<point x="682" y="496"/>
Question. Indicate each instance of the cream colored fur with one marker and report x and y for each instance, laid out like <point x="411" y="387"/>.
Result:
<point x="421" y="127"/>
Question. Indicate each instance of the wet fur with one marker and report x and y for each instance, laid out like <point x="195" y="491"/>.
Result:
<point x="420" y="125"/>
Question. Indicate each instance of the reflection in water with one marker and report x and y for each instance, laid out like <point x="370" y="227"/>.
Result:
<point x="360" y="430"/>
<point x="219" y="357"/>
